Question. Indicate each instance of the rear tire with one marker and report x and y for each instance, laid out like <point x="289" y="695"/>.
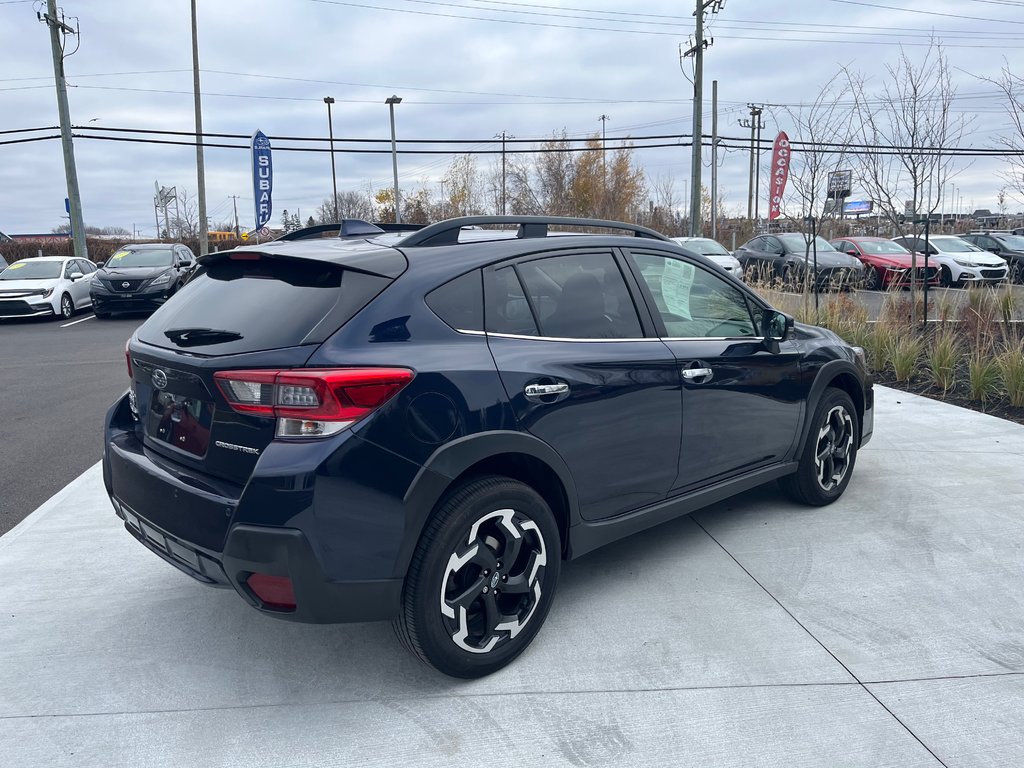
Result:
<point x="830" y="452"/>
<point x="482" y="578"/>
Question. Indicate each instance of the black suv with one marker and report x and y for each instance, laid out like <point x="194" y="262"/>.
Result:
<point x="421" y="427"/>
<point x="140" y="277"/>
<point x="1005" y="244"/>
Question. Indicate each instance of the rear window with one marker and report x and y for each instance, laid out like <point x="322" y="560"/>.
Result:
<point x="231" y="307"/>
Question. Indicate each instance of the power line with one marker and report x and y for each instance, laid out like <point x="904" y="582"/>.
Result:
<point x="926" y="13"/>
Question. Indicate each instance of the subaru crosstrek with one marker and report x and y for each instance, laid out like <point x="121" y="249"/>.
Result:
<point x="421" y="427"/>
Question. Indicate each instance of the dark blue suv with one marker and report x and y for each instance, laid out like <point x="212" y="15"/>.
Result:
<point x="421" y="427"/>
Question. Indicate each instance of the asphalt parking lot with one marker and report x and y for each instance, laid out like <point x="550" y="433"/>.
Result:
<point x="886" y="629"/>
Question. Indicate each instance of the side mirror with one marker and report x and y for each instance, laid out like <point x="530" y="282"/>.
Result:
<point x="99" y="264"/>
<point x="75" y="276"/>
<point x="994" y="249"/>
<point x="777" y="325"/>
<point x="852" y="252"/>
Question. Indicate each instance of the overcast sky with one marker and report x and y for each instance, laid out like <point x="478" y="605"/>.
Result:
<point x="465" y="69"/>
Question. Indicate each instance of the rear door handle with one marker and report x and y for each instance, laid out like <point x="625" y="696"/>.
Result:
<point x="545" y="390"/>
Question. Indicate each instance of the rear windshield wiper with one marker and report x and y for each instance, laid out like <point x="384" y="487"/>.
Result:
<point x="195" y="337"/>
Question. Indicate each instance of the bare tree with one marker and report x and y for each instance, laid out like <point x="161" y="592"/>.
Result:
<point x="351" y="205"/>
<point x="902" y="133"/>
<point x="1012" y="87"/>
<point x="822" y="133"/>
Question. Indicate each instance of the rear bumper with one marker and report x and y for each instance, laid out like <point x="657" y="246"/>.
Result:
<point x="343" y="561"/>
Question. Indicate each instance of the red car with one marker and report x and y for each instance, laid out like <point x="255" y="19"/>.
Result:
<point x="889" y="262"/>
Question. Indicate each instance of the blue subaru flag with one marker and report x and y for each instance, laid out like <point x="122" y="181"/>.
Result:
<point x="262" y="178"/>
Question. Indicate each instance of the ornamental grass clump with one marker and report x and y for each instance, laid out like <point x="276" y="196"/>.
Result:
<point x="943" y="354"/>
<point x="982" y="374"/>
<point x="1011" y="372"/>
<point x="905" y="349"/>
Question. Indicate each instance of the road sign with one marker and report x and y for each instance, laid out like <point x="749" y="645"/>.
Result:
<point x="840" y="183"/>
<point x="245" y="236"/>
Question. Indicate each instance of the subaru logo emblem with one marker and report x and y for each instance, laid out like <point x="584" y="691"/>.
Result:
<point x="159" y="379"/>
<point x="126" y="284"/>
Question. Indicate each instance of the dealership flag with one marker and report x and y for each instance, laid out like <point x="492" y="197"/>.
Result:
<point x="262" y="178"/>
<point x="780" y="174"/>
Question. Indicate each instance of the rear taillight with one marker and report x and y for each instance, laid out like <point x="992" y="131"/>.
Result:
<point x="311" y="402"/>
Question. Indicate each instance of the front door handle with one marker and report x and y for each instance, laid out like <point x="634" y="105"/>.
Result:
<point x="545" y="390"/>
<point x="696" y="373"/>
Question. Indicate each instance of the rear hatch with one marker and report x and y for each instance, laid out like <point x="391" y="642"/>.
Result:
<point x="244" y="310"/>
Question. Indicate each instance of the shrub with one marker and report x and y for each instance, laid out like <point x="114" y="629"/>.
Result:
<point x="982" y="374"/>
<point x="905" y="350"/>
<point x="943" y="353"/>
<point x="1011" y="370"/>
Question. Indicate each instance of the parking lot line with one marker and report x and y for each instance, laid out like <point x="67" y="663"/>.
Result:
<point x="76" y="322"/>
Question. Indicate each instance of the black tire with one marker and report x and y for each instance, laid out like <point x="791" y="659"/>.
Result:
<point x="467" y="552"/>
<point x="789" y="278"/>
<point x="872" y="280"/>
<point x="945" y="277"/>
<point x="830" y="453"/>
<point x="102" y="315"/>
<point x="67" y="307"/>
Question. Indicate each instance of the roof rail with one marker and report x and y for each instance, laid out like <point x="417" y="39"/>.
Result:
<point x="447" y="232"/>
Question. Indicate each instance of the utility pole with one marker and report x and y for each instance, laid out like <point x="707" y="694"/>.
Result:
<point x="714" y="159"/>
<point x="58" y="27"/>
<point x="504" y="137"/>
<point x="234" y="202"/>
<point x="754" y="124"/>
<point x="204" y="236"/>
<point x="697" y="52"/>
<point x="328" y="100"/>
<point x="604" y="159"/>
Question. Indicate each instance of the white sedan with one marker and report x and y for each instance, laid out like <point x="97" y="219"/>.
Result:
<point x="713" y="250"/>
<point x="46" y="285"/>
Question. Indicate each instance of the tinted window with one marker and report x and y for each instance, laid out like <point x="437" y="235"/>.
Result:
<point x="580" y="296"/>
<point x="262" y="304"/>
<point x="770" y="244"/>
<point x="692" y="302"/>
<point x="508" y="311"/>
<point x="460" y="302"/>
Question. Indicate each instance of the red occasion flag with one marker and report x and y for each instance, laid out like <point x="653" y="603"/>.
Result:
<point x="780" y="174"/>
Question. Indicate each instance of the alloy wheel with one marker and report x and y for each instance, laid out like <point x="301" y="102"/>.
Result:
<point x="67" y="307"/>
<point x="833" y="448"/>
<point x="493" y="581"/>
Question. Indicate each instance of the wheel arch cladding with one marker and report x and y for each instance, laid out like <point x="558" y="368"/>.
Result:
<point x="839" y="374"/>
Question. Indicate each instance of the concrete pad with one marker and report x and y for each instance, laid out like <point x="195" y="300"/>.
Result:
<point x="917" y="570"/>
<point x="659" y="650"/>
<point x="967" y="722"/>
<point x="787" y="727"/>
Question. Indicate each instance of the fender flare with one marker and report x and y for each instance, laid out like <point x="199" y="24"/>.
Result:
<point x="827" y="374"/>
<point x="452" y="459"/>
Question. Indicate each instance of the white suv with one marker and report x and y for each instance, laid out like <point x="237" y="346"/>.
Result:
<point x="959" y="262"/>
<point x="714" y="251"/>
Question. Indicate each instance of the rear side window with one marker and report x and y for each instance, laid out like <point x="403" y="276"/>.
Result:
<point x="508" y="311"/>
<point x="460" y="302"/>
<point x="232" y="306"/>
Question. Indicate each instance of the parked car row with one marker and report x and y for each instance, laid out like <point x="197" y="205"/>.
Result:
<point x="138" y="277"/>
<point x="878" y="263"/>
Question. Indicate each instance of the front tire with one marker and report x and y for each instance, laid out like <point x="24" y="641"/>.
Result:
<point x="830" y="453"/>
<point x="945" y="277"/>
<point x="482" y="578"/>
<point x="67" y="307"/>
<point x="872" y="280"/>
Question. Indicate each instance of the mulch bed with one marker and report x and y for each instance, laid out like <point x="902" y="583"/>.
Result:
<point x="959" y="395"/>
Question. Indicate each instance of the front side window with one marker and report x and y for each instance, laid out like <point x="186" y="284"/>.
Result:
<point x="580" y="296"/>
<point x="692" y="302"/>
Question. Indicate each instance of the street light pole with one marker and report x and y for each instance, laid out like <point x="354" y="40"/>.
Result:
<point x="391" y="101"/>
<point x="204" y="236"/>
<point x="328" y="100"/>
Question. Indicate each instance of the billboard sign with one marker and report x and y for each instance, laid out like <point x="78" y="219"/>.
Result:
<point x="858" y="206"/>
<point x="840" y="183"/>
<point x="262" y="178"/>
<point x="781" y="156"/>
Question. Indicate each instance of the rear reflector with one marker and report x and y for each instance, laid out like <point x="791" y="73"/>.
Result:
<point x="311" y="402"/>
<point x="273" y="591"/>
